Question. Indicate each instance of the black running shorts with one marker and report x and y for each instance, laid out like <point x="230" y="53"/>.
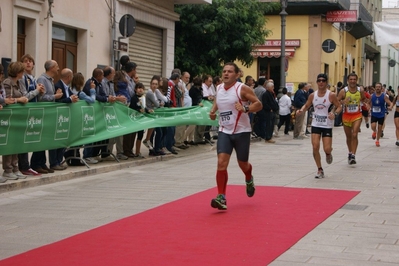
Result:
<point x="239" y="142"/>
<point x="324" y="132"/>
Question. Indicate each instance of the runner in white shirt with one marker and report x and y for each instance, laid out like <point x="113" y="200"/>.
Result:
<point x="235" y="100"/>
<point x="323" y="102"/>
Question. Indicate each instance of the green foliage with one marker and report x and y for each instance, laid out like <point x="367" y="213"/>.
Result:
<point x="209" y="35"/>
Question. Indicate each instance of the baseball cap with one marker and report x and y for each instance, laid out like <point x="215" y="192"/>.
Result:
<point x="322" y="75"/>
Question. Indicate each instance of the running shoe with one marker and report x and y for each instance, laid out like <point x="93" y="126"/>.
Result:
<point x="320" y="174"/>
<point x="250" y="187"/>
<point x="397" y="143"/>
<point x="329" y="158"/>
<point x="382" y="134"/>
<point x="367" y="125"/>
<point x="352" y="159"/>
<point x="374" y="135"/>
<point x="377" y="143"/>
<point x="219" y="202"/>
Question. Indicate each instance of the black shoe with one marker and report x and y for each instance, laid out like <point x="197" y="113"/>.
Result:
<point x="192" y="143"/>
<point x="382" y="134"/>
<point x="250" y="187"/>
<point x="219" y="202"/>
<point x="74" y="162"/>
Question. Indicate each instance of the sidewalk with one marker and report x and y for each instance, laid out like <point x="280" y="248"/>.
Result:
<point x="364" y="232"/>
<point x="102" y="167"/>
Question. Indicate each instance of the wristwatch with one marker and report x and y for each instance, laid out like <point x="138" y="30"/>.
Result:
<point x="335" y="113"/>
<point x="246" y="109"/>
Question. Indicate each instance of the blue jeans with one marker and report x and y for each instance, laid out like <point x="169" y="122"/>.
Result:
<point x="56" y="156"/>
<point x="170" y="138"/>
<point x="160" y="133"/>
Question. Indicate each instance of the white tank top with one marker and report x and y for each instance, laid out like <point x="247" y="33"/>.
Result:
<point x="231" y="121"/>
<point x="321" y="109"/>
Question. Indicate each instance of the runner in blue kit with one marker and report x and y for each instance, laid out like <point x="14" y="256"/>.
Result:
<point x="378" y="111"/>
<point x="323" y="102"/>
<point x="234" y="101"/>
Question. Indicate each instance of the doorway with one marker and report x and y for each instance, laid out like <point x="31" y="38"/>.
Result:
<point x="270" y="68"/>
<point x="64" y="48"/>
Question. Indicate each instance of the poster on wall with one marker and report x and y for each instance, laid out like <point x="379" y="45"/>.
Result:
<point x="289" y="86"/>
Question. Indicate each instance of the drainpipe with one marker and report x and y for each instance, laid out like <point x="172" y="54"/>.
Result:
<point x="113" y="31"/>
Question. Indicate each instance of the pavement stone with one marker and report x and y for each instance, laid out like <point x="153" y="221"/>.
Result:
<point x="37" y="211"/>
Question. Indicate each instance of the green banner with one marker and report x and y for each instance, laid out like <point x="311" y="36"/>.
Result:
<point x="46" y="126"/>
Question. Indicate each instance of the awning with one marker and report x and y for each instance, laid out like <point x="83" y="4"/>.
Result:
<point x="272" y="52"/>
<point x="386" y="32"/>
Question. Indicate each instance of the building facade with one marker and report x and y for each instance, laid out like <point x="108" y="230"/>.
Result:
<point x="323" y="43"/>
<point x="83" y="35"/>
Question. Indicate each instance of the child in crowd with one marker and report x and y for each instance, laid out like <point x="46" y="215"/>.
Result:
<point x="138" y="103"/>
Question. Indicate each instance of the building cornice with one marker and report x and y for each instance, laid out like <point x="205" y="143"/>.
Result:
<point x="153" y="9"/>
<point x="34" y="5"/>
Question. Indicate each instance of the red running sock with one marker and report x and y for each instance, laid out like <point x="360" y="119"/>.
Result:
<point x="248" y="174"/>
<point x="221" y="181"/>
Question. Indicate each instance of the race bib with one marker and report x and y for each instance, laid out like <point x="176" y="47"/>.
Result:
<point x="320" y="120"/>
<point x="225" y="118"/>
<point x="352" y="108"/>
<point x="376" y="109"/>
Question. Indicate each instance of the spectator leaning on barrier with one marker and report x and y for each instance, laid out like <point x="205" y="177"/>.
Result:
<point x="56" y="155"/>
<point x="13" y="90"/>
<point x="38" y="159"/>
<point x="30" y="84"/>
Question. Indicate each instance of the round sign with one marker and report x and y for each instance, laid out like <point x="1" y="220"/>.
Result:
<point x="328" y="46"/>
<point x="391" y="63"/>
<point x="127" y="25"/>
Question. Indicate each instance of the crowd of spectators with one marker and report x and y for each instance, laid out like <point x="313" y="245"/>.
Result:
<point x="109" y="86"/>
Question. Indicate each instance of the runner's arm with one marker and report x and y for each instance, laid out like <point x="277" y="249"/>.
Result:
<point x="306" y="106"/>
<point x="337" y="104"/>
<point x="248" y="94"/>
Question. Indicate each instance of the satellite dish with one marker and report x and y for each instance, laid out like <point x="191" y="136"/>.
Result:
<point x="127" y="25"/>
<point x="391" y="63"/>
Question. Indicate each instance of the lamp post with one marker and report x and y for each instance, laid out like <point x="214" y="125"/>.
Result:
<point x="283" y="14"/>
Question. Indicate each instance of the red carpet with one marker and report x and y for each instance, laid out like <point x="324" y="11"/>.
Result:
<point x="253" y="231"/>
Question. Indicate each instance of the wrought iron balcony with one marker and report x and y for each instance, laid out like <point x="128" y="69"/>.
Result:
<point x="364" y="26"/>
<point x="313" y="7"/>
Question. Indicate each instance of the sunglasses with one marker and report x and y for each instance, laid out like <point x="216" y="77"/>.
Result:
<point x="321" y="80"/>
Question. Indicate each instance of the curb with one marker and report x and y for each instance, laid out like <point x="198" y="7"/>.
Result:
<point x="73" y="172"/>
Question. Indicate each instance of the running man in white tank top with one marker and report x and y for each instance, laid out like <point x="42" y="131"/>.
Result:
<point x="323" y="102"/>
<point x="234" y="101"/>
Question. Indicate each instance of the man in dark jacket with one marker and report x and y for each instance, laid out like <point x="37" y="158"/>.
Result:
<point x="270" y="109"/>
<point x="300" y="98"/>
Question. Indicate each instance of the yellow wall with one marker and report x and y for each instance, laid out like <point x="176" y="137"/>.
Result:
<point x="310" y="59"/>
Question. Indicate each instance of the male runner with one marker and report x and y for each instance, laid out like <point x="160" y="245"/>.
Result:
<point x="234" y="101"/>
<point x="323" y="102"/>
<point x="378" y="111"/>
<point x="351" y="97"/>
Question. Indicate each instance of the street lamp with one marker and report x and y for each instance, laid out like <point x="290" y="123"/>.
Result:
<point x="283" y="14"/>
